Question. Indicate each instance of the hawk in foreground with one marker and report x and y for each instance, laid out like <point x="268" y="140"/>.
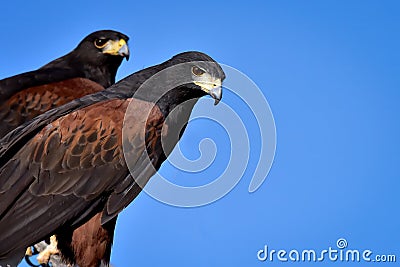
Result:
<point x="89" y="68"/>
<point x="81" y="161"/>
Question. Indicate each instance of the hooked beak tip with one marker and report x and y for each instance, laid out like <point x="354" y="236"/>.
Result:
<point x="216" y="93"/>
<point x="124" y="52"/>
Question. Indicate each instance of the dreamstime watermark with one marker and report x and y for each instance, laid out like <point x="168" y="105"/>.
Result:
<point x="340" y="253"/>
<point x="226" y="115"/>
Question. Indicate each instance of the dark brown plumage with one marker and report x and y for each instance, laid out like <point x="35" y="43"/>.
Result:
<point x="90" y="244"/>
<point x="89" y="68"/>
<point x="67" y="166"/>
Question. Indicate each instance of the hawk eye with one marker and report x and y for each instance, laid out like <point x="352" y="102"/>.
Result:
<point x="100" y="43"/>
<point x="197" y="71"/>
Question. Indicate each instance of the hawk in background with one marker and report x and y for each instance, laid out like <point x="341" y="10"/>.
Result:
<point x="89" y="68"/>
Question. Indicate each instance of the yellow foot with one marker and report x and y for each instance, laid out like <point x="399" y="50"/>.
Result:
<point x="29" y="252"/>
<point x="44" y="256"/>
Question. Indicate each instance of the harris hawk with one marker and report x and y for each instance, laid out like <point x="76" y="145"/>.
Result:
<point x="89" y="68"/>
<point x="81" y="161"/>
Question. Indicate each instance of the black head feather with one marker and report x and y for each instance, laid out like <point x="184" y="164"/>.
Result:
<point x="173" y="81"/>
<point x="85" y="61"/>
<point x="90" y="61"/>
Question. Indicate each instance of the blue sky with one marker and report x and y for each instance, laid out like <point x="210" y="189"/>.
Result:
<point x="330" y="72"/>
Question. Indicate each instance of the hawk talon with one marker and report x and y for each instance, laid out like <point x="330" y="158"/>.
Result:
<point x="51" y="249"/>
<point x="30" y="263"/>
<point x="29" y="252"/>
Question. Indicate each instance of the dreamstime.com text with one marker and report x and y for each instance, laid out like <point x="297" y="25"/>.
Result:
<point x="338" y="254"/>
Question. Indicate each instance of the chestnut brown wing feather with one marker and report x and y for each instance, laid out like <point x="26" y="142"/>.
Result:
<point x="74" y="168"/>
<point x="91" y="242"/>
<point x="33" y="101"/>
<point x="45" y="184"/>
<point x="143" y="154"/>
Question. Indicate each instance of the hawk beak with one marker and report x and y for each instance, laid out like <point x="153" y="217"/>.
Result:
<point x="216" y="93"/>
<point x="213" y="87"/>
<point x="117" y="48"/>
